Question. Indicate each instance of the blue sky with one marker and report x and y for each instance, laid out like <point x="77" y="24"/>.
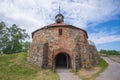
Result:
<point x="100" y="18"/>
<point x="109" y="31"/>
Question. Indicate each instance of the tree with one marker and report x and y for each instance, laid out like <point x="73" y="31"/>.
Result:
<point x="103" y="51"/>
<point x="3" y="36"/>
<point x="16" y="36"/>
<point x="109" y="52"/>
<point x="25" y="46"/>
<point x="11" y="38"/>
<point x="113" y="52"/>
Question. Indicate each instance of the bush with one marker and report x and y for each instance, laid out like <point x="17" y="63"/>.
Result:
<point x="109" y="52"/>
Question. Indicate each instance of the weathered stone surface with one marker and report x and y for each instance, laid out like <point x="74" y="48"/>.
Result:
<point x="48" y="42"/>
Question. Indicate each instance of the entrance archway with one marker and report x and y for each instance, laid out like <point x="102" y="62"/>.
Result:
<point x="62" y="60"/>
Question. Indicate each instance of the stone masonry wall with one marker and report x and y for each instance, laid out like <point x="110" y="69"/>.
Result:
<point x="46" y="41"/>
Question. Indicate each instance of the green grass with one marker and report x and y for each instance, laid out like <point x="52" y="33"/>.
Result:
<point x="16" y="67"/>
<point x="103" y="64"/>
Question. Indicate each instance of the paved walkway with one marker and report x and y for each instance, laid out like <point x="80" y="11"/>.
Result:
<point x="112" y="72"/>
<point x="65" y="74"/>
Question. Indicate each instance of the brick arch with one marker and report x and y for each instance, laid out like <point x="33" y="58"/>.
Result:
<point x="56" y="52"/>
<point x="62" y="50"/>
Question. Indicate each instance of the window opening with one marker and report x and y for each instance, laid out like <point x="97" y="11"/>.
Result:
<point x="60" y="31"/>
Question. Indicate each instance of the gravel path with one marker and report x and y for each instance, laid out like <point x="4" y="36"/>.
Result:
<point x="112" y="72"/>
<point x="65" y="74"/>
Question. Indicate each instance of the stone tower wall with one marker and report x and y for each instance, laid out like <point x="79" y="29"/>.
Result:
<point x="48" y="42"/>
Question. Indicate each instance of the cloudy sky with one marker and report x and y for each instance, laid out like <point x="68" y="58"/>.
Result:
<point x="100" y="18"/>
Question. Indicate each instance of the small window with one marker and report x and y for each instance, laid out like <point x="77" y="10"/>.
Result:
<point x="60" y="31"/>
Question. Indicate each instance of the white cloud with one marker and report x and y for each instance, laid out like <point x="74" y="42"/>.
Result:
<point x="34" y="14"/>
<point x="104" y="37"/>
<point x="91" y="11"/>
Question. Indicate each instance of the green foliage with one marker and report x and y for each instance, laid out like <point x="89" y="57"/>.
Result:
<point x="103" y="51"/>
<point x="16" y="67"/>
<point x="25" y="46"/>
<point x="3" y="36"/>
<point x="12" y="38"/>
<point x="109" y="52"/>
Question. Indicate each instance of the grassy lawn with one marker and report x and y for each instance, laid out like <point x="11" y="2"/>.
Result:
<point x="16" y="67"/>
<point x="93" y="73"/>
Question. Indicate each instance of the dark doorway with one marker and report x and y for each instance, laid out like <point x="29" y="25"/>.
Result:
<point x="62" y="60"/>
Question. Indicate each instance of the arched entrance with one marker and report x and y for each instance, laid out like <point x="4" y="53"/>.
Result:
<point x="62" y="60"/>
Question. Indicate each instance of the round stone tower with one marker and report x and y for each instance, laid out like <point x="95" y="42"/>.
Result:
<point x="62" y="45"/>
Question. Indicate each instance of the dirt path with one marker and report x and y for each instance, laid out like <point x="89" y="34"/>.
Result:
<point x="65" y="74"/>
<point x="112" y="72"/>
